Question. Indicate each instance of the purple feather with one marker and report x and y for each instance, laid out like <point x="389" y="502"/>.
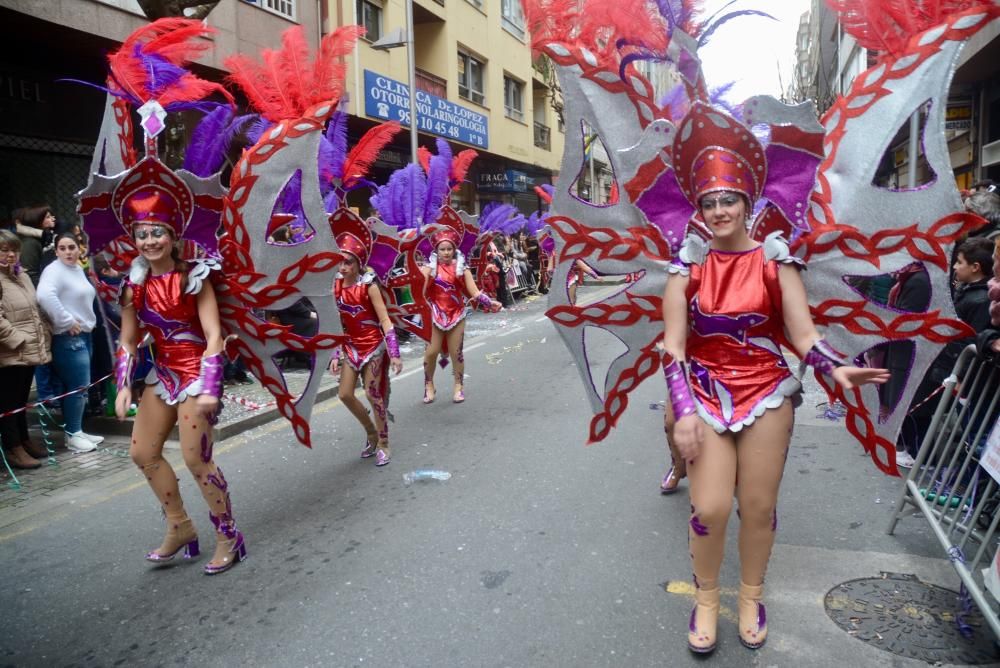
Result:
<point x="257" y="129"/>
<point x="205" y="151"/>
<point x="437" y="182"/>
<point x="717" y="23"/>
<point x="331" y="201"/>
<point x="676" y="100"/>
<point x="717" y="95"/>
<point x="514" y="224"/>
<point x="549" y="189"/>
<point x="535" y="223"/>
<point x="400" y="202"/>
<point x="324" y="158"/>
<point x="494" y="216"/>
<point x="336" y="134"/>
<point x="160" y="72"/>
<point x="291" y="195"/>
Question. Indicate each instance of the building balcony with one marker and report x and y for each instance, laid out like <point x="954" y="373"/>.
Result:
<point x="543" y="136"/>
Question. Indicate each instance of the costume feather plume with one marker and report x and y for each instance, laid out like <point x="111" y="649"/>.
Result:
<point x="546" y="191"/>
<point x="212" y="139"/>
<point x="495" y="217"/>
<point x="437" y="181"/>
<point x="719" y="19"/>
<point x="460" y="167"/>
<point x="333" y="148"/>
<point x="365" y="152"/>
<point x="400" y="202"/>
<point x="887" y="25"/>
<point x="285" y="84"/>
<point x="424" y="157"/>
<point x="534" y="223"/>
<point x="150" y="65"/>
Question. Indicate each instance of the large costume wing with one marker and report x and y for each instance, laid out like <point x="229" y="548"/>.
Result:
<point x="279" y="176"/>
<point x="859" y="230"/>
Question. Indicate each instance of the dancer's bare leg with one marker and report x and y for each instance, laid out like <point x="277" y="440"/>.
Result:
<point x="430" y="359"/>
<point x="152" y="424"/>
<point x="196" y="446"/>
<point x="761" y="451"/>
<point x="456" y="340"/>
<point x="374" y="374"/>
<point x="348" y="383"/>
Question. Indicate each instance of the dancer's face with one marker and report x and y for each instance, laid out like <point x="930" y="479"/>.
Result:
<point x="446" y="251"/>
<point x="153" y="241"/>
<point x="725" y="213"/>
<point x="349" y="266"/>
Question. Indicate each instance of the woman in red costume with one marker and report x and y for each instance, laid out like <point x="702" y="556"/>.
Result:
<point x="730" y="389"/>
<point x="449" y="281"/>
<point x="174" y="301"/>
<point x="372" y="347"/>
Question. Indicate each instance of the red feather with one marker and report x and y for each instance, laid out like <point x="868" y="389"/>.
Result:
<point x="460" y="167"/>
<point x="887" y="25"/>
<point x="424" y="156"/>
<point x="366" y="151"/>
<point x="547" y="198"/>
<point x="286" y="84"/>
<point x="177" y="40"/>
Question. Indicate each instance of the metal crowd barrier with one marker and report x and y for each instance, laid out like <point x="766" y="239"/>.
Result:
<point x="956" y="496"/>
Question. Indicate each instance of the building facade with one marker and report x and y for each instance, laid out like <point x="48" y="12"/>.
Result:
<point x="477" y="87"/>
<point x="829" y="59"/>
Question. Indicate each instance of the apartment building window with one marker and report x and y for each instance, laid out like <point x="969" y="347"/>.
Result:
<point x="470" y="78"/>
<point x="284" y="8"/>
<point x="512" y="17"/>
<point x="370" y="16"/>
<point x="476" y="3"/>
<point x="513" y="98"/>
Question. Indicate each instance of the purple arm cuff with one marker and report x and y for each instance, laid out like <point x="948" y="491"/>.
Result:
<point x="484" y="300"/>
<point x="823" y="358"/>
<point x="211" y="374"/>
<point x="392" y="344"/>
<point x="681" y="400"/>
<point x="124" y="369"/>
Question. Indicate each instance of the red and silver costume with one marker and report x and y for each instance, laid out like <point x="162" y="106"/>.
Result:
<point x="446" y="292"/>
<point x="736" y="369"/>
<point x="360" y="322"/>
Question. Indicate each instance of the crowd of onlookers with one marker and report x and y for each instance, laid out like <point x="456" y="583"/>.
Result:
<point x="516" y="266"/>
<point x="975" y="289"/>
<point x="49" y="319"/>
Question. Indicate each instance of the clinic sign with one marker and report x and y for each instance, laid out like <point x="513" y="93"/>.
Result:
<point x="389" y="100"/>
<point x="502" y="181"/>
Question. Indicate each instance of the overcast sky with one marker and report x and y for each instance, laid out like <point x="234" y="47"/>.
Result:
<point x="750" y="49"/>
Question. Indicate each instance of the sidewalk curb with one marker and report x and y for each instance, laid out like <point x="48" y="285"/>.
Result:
<point x="114" y="427"/>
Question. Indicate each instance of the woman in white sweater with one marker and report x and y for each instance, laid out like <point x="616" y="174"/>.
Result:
<point x="67" y="297"/>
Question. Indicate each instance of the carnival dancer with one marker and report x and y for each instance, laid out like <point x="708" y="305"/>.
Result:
<point x="156" y="210"/>
<point x="449" y="283"/>
<point x="372" y="347"/>
<point x="416" y="198"/>
<point x="729" y="386"/>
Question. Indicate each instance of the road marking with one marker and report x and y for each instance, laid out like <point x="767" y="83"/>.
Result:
<point x="542" y="319"/>
<point x="513" y="330"/>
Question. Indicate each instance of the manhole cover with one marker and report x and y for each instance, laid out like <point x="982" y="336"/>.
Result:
<point x="900" y="614"/>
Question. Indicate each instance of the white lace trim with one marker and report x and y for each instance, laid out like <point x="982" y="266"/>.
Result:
<point x="432" y="262"/>
<point x="786" y="388"/>
<point x="153" y="381"/>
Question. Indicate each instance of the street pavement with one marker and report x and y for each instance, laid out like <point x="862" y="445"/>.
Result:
<point x="538" y="551"/>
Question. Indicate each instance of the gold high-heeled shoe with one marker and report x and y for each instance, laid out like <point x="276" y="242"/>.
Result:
<point x="704" y="621"/>
<point x="180" y="535"/>
<point x="752" y="616"/>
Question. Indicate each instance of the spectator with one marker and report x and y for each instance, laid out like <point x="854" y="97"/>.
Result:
<point x="301" y="317"/>
<point x="988" y="340"/>
<point x="36" y="227"/>
<point x="519" y="249"/>
<point x="985" y="203"/>
<point x="24" y="343"/>
<point x="67" y="297"/>
<point x="911" y="293"/>
<point x="972" y="268"/>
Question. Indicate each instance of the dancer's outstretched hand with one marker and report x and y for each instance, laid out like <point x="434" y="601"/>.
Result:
<point x="335" y="365"/>
<point x="689" y="434"/>
<point x="396" y="365"/>
<point x="849" y="377"/>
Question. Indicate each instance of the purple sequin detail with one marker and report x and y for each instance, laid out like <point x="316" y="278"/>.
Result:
<point x="218" y="480"/>
<point x="702" y="376"/>
<point x="211" y="374"/>
<point x="761" y="617"/>
<point x="124" y="369"/>
<point x="817" y="361"/>
<point x="680" y="397"/>
<point x="696" y="526"/>
<point x="206" y="449"/>
<point x="723" y="325"/>
<point x="392" y="344"/>
<point x="484" y="300"/>
<point x="691" y="624"/>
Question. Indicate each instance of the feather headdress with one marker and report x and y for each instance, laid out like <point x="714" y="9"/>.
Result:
<point x="287" y="83"/>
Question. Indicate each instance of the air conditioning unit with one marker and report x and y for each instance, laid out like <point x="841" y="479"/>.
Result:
<point x="991" y="154"/>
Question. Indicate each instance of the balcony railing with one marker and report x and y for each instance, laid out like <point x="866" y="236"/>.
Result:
<point x="543" y="136"/>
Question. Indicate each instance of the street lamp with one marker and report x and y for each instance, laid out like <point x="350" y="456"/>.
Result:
<point x="400" y="37"/>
